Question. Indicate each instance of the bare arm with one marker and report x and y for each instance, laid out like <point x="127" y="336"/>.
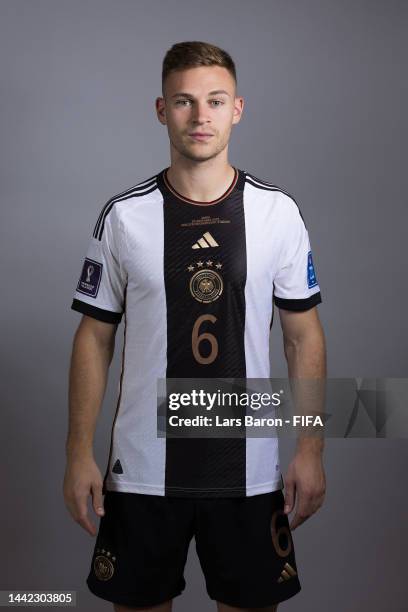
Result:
<point x="305" y="352"/>
<point x="92" y="353"/>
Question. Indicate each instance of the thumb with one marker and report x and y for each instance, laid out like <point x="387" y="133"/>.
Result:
<point x="289" y="496"/>
<point x="97" y="499"/>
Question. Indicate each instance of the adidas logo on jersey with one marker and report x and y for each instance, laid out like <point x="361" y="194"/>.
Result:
<point x="205" y="242"/>
<point x="287" y="572"/>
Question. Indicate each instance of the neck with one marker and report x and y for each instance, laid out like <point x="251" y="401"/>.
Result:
<point x="203" y="182"/>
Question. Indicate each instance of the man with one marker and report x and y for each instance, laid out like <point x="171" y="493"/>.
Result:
<point x="194" y="257"/>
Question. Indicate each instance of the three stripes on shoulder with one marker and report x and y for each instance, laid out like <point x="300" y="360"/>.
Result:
<point x="147" y="186"/>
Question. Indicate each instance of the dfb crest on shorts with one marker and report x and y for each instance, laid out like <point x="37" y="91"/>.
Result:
<point x="104" y="564"/>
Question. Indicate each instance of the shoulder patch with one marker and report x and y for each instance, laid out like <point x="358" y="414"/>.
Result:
<point x="311" y="274"/>
<point x="90" y="278"/>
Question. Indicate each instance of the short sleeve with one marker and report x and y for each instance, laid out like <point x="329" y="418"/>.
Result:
<point x="295" y="283"/>
<point x="101" y="288"/>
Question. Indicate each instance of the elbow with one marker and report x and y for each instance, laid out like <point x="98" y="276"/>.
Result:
<point x="290" y="345"/>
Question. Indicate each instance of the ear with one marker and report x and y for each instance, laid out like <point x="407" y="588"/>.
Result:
<point x="160" y="105"/>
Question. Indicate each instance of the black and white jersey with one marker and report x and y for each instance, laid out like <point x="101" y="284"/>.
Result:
<point x="177" y="269"/>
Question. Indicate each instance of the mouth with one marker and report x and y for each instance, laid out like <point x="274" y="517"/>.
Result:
<point x="200" y="136"/>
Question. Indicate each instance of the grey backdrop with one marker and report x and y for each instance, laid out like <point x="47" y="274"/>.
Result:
<point x="325" y="118"/>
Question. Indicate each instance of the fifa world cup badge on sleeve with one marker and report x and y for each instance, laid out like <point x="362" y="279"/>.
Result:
<point x="311" y="274"/>
<point x="90" y="278"/>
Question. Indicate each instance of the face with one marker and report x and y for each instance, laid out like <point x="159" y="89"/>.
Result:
<point x="191" y="105"/>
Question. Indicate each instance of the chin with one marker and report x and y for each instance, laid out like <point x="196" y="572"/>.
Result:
<point x="193" y="155"/>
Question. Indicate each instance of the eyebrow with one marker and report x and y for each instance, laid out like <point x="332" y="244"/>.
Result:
<point x="211" y="93"/>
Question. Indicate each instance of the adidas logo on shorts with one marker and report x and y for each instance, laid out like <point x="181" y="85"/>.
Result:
<point x="287" y="573"/>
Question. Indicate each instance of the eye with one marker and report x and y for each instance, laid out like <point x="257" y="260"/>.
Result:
<point x="182" y="101"/>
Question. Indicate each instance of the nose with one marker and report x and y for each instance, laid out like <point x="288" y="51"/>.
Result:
<point x="199" y="114"/>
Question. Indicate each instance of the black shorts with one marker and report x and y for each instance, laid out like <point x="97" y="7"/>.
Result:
<point x="244" y="546"/>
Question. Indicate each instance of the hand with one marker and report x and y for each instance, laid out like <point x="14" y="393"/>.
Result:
<point x="306" y="480"/>
<point x="83" y="478"/>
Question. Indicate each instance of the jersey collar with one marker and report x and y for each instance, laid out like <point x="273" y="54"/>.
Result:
<point x="167" y="189"/>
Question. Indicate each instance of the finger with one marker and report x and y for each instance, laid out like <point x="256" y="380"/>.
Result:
<point x="303" y="511"/>
<point x="97" y="499"/>
<point x="87" y="524"/>
<point x="83" y="519"/>
<point x="296" y="521"/>
<point x="289" y="496"/>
